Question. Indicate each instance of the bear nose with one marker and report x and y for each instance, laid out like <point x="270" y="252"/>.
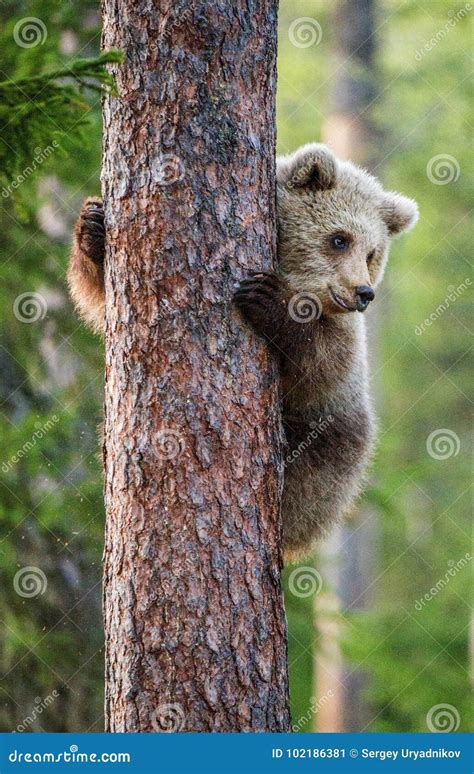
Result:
<point x="364" y="295"/>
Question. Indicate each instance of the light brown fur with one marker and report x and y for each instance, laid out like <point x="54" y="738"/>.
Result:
<point x="86" y="274"/>
<point x="327" y="413"/>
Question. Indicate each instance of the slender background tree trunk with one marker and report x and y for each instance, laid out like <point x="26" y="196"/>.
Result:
<point x="194" y="618"/>
<point x="347" y="559"/>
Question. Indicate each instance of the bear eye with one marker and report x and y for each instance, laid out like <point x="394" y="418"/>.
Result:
<point x="339" y="242"/>
<point x="370" y="257"/>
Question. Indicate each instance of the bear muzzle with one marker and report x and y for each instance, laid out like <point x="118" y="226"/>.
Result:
<point x="364" y="295"/>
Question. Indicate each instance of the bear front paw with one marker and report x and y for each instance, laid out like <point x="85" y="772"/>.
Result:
<point x="261" y="300"/>
<point x="92" y="232"/>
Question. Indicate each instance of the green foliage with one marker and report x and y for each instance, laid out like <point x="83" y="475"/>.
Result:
<point x="414" y="651"/>
<point x="38" y="113"/>
<point x="301" y="635"/>
<point x="51" y="505"/>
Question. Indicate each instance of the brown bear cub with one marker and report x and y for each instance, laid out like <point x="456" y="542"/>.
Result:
<point x="335" y="223"/>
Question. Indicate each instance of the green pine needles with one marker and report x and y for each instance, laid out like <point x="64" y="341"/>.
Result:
<point x="39" y="114"/>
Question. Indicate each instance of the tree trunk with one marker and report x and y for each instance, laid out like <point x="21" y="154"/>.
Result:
<point x="349" y="556"/>
<point x="194" y="617"/>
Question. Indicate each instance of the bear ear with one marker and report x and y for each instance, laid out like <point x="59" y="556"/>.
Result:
<point x="312" y="166"/>
<point x="399" y="213"/>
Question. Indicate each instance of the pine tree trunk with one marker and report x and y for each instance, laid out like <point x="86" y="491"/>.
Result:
<point x="194" y="618"/>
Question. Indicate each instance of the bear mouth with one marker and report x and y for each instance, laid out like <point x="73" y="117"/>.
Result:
<point x="340" y="301"/>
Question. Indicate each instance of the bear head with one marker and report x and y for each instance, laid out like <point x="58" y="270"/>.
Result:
<point x="335" y="223"/>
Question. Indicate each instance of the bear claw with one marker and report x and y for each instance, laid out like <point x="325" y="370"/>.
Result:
<point x="92" y="232"/>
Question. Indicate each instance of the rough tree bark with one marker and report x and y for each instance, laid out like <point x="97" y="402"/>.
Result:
<point x="194" y="618"/>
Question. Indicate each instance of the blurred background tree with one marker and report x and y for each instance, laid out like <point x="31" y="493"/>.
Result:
<point x="412" y="652"/>
<point x="412" y="659"/>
